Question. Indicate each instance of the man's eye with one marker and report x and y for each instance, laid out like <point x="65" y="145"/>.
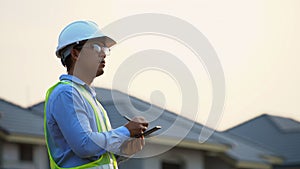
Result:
<point x="97" y="48"/>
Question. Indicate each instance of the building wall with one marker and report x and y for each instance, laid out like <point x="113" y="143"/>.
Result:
<point x="40" y="157"/>
<point x="288" y="167"/>
<point x="185" y="158"/>
<point x="11" y="157"/>
<point x="134" y="163"/>
<point x="216" y="163"/>
<point x="1" y="151"/>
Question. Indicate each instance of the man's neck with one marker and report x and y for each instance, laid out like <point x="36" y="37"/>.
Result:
<point x="84" y="77"/>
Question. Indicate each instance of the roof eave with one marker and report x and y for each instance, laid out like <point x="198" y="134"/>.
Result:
<point x="17" y="138"/>
<point x="249" y="164"/>
<point x="245" y="164"/>
<point x="191" y="144"/>
<point x="273" y="159"/>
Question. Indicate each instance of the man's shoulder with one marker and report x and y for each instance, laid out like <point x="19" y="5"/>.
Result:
<point x="61" y="89"/>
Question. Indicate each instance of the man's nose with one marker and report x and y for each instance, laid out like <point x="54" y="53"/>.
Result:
<point x="102" y="54"/>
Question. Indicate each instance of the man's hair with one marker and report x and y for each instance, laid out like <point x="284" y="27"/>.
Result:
<point x="68" y="60"/>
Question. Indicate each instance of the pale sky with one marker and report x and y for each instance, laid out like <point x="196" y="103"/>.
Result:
<point x="257" y="42"/>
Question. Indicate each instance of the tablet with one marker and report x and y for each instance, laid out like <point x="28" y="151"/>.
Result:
<point x="146" y="133"/>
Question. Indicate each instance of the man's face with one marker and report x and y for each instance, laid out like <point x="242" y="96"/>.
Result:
<point x="91" y="58"/>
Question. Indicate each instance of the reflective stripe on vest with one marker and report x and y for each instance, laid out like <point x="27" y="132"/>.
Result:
<point x="102" y="125"/>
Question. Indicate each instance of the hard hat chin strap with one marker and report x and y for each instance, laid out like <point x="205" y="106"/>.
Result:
<point x="66" y="52"/>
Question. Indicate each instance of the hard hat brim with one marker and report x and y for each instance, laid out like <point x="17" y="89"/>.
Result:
<point x="108" y="42"/>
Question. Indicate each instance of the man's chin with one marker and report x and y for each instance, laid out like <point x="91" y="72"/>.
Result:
<point x="99" y="73"/>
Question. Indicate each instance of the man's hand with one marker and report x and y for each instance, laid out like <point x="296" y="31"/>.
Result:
<point x="133" y="146"/>
<point x="137" y="126"/>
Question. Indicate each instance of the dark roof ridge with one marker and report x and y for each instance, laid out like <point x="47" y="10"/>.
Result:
<point x="245" y="122"/>
<point x="273" y="122"/>
<point x="196" y="124"/>
<point x="156" y="106"/>
<point x="13" y="104"/>
<point x="251" y="142"/>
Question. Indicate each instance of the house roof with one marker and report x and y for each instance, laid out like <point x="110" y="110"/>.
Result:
<point x="245" y="150"/>
<point x="16" y="120"/>
<point x="116" y="104"/>
<point x="277" y="134"/>
<point x="241" y="149"/>
<point x="286" y="125"/>
<point x="37" y="109"/>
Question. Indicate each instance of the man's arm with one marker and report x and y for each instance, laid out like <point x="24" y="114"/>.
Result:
<point x="73" y="122"/>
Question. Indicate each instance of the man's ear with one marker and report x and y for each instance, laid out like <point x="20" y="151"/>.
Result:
<point x="74" y="54"/>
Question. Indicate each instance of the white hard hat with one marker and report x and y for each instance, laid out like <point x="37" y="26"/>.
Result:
<point x="79" y="31"/>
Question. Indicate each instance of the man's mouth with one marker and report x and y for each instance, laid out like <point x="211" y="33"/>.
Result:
<point x="102" y="63"/>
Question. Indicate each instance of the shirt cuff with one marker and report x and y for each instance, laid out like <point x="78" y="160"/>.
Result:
<point x="123" y="130"/>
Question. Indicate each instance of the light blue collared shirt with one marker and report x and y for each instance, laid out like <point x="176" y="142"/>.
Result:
<point x="72" y="129"/>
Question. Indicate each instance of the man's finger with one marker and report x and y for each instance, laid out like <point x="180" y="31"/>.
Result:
<point x="142" y="141"/>
<point x="145" y="124"/>
<point x="143" y="128"/>
<point x="139" y="144"/>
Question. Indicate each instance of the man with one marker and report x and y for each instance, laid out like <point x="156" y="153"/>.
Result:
<point x="77" y="129"/>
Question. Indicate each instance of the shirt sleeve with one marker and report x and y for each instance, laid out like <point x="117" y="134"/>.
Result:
<point x="73" y="121"/>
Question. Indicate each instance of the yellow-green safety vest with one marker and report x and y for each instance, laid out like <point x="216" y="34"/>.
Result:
<point x="102" y="125"/>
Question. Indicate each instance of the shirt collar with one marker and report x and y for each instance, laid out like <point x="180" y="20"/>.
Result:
<point x="78" y="81"/>
<point x="72" y="79"/>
